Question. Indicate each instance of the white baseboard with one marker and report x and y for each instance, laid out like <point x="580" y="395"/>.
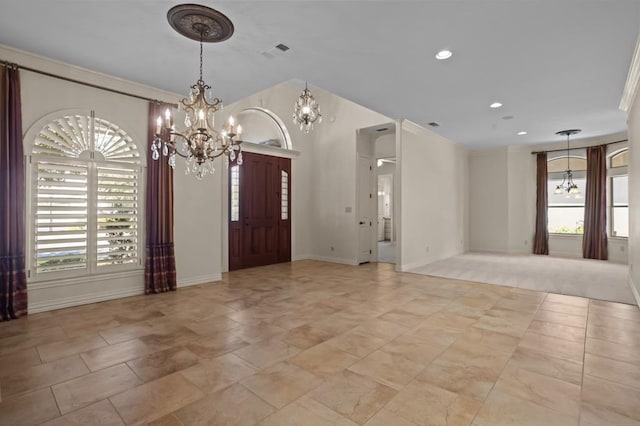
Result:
<point x="202" y="279"/>
<point x="634" y="290"/>
<point x="481" y="250"/>
<point x="66" y="302"/>
<point x="334" y="260"/>
<point x="302" y="257"/>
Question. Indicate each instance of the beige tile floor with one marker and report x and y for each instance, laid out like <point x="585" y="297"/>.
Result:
<point x="312" y="343"/>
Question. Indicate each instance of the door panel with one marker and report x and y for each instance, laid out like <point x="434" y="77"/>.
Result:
<point x="259" y="236"/>
<point x="365" y="221"/>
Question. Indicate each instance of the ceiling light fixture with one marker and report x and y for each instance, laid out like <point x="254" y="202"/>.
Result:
<point x="200" y="143"/>
<point x="444" y="54"/>
<point x="568" y="186"/>
<point x="306" y="111"/>
<point x="522" y="133"/>
<point x="495" y="105"/>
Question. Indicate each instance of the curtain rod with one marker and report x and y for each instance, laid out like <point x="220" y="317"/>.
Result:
<point x="564" y="149"/>
<point x="84" y="83"/>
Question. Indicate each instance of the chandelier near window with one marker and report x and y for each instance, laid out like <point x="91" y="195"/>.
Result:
<point x="568" y="186"/>
<point x="306" y="111"/>
<point x="200" y="143"/>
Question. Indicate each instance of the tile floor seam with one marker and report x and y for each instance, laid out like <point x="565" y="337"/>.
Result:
<point x="505" y="365"/>
<point x="623" y="385"/>
<point x="115" y="410"/>
<point x="276" y="409"/>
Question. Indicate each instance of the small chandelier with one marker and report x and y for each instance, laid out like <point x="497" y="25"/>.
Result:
<point x="200" y="143"/>
<point x="568" y="186"/>
<point x="306" y="111"/>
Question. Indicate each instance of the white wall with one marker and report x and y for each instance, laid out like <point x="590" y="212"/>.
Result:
<point x="488" y="208"/>
<point x="634" y="196"/>
<point x="197" y="246"/>
<point x="333" y="198"/>
<point x="432" y="175"/>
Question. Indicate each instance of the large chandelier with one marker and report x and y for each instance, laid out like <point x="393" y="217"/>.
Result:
<point x="200" y="143"/>
<point x="568" y="186"/>
<point x="306" y="111"/>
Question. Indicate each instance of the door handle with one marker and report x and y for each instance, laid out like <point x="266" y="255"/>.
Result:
<point x="361" y="223"/>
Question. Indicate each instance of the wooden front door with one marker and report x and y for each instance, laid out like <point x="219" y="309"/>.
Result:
<point x="259" y="211"/>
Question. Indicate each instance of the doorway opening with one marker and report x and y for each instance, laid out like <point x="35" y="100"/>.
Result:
<point x="376" y="147"/>
<point x="386" y="228"/>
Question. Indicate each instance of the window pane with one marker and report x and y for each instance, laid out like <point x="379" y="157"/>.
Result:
<point x="566" y="220"/>
<point x="235" y="193"/>
<point x="620" y="222"/>
<point x="560" y="164"/>
<point x="620" y="190"/>
<point x="61" y="216"/>
<point x="117" y="216"/>
<point x="284" y="196"/>
<point x="621" y="159"/>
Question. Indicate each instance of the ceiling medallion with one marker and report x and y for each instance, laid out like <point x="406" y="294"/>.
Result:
<point x="200" y="23"/>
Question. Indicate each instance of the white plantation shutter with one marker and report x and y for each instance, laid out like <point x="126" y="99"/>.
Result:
<point x="117" y="215"/>
<point x="61" y="196"/>
<point x="85" y="177"/>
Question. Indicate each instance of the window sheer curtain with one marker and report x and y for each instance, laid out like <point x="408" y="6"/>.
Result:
<point x="594" y="241"/>
<point x="13" y="279"/>
<point x="541" y="238"/>
<point x="160" y="266"/>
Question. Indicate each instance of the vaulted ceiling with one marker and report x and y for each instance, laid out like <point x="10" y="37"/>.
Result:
<point x="552" y="64"/>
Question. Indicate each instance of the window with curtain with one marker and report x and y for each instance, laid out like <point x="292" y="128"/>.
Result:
<point x="619" y="193"/>
<point x="85" y="182"/>
<point x="565" y="212"/>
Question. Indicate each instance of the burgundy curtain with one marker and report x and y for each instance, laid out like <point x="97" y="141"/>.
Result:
<point x="13" y="279"/>
<point x="160" y="266"/>
<point x="541" y="238"/>
<point x="594" y="241"/>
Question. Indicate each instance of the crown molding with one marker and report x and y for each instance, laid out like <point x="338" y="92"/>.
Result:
<point x="633" y="81"/>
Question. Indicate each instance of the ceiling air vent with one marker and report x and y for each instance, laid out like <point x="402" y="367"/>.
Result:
<point x="382" y="129"/>
<point x="277" y="50"/>
<point x="434" y="124"/>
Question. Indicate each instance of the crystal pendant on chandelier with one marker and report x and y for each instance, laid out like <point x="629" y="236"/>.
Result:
<point x="567" y="186"/>
<point x="200" y="143"/>
<point x="306" y="111"/>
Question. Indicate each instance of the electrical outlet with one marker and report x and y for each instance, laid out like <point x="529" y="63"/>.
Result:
<point x="331" y="248"/>
<point x="427" y="249"/>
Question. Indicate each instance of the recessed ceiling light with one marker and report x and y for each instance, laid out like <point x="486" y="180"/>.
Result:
<point x="522" y="133"/>
<point x="444" y="54"/>
<point x="495" y="105"/>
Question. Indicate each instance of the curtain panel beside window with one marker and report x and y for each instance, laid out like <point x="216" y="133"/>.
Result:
<point x="160" y="266"/>
<point x="594" y="241"/>
<point x="541" y="238"/>
<point x="13" y="279"/>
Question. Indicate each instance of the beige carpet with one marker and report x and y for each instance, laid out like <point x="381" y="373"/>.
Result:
<point x="594" y="279"/>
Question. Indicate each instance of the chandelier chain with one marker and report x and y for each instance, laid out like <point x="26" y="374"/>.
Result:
<point x="201" y="35"/>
